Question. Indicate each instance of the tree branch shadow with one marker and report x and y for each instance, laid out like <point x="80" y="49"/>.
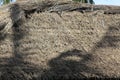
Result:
<point x="61" y="67"/>
<point x="15" y="68"/>
<point x="71" y="69"/>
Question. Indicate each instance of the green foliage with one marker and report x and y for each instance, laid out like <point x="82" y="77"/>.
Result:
<point x="85" y="1"/>
<point x="91" y="2"/>
<point x="5" y="1"/>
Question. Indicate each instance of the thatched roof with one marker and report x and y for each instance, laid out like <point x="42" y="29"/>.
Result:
<point x="59" y="40"/>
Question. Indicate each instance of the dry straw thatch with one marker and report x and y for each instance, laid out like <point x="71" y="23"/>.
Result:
<point x="39" y="43"/>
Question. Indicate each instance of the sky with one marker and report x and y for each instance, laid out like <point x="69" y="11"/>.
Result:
<point x="108" y="2"/>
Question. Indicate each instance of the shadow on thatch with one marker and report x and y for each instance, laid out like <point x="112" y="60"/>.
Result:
<point x="110" y="39"/>
<point x="16" y="68"/>
<point x="62" y="68"/>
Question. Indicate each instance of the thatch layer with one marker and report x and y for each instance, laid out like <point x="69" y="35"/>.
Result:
<point x="44" y="44"/>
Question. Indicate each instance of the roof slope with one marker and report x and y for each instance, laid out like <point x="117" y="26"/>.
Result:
<point x="59" y="40"/>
